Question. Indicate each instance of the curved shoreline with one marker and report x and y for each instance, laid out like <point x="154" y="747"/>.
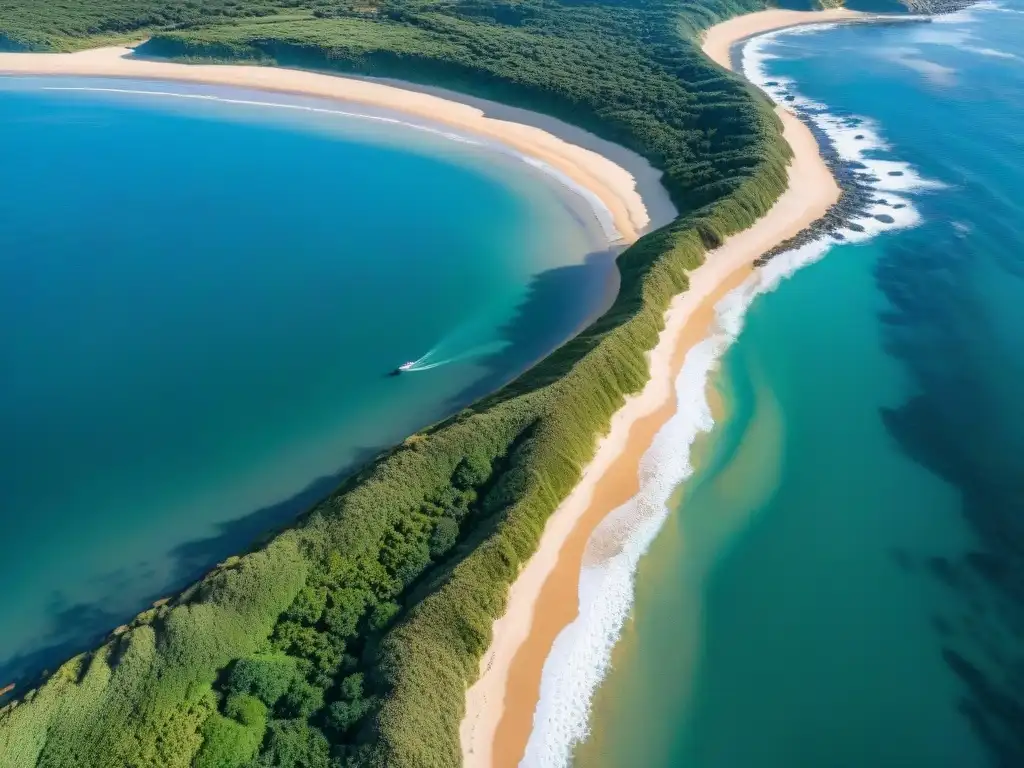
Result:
<point x="719" y="40"/>
<point x="544" y="600"/>
<point x="610" y="183"/>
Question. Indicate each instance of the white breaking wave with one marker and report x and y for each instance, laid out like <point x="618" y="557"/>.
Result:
<point x="602" y="213"/>
<point x="581" y="654"/>
<point x="993" y="53"/>
<point x="954" y="29"/>
<point x="969" y="14"/>
<point x="604" y="216"/>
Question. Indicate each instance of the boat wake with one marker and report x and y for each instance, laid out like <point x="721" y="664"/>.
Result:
<point x="436" y="357"/>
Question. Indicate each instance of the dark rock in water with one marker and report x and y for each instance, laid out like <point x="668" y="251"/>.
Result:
<point x="859" y="137"/>
<point x="898" y="206"/>
<point x="885" y="218"/>
<point x="988" y="566"/>
<point x="942" y="626"/>
<point x="942" y="6"/>
<point x="771" y="83"/>
<point x="882" y="201"/>
<point x="993" y="711"/>
<point x="944" y="570"/>
<point x="963" y="668"/>
<point x="856" y="181"/>
<point x="895" y="173"/>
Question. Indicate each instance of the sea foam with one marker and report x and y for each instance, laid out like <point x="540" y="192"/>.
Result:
<point x="969" y="14"/>
<point x="271" y="105"/>
<point x="581" y="654"/>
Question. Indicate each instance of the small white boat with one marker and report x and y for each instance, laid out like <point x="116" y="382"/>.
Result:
<point x="403" y="368"/>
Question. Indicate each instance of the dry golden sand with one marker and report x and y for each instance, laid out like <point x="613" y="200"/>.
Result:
<point x="544" y="599"/>
<point x="720" y="38"/>
<point x="611" y="183"/>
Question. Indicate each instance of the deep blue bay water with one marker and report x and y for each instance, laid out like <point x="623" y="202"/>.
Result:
<point x="840" y="581"/>
<point x="199" y="304"/>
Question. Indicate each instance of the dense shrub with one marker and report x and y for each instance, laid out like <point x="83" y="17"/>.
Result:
<point x="445" y="534"/>
<point x="233" y="740"/>
<point x="295" y="744"/>
<point x="301" y="699"/>
<point x="266" y="677"/>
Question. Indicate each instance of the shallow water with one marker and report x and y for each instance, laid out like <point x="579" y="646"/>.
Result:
<point x="199" y="304"/>
<point x="842" y="583"/>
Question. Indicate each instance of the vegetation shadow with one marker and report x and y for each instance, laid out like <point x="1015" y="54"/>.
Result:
<point x="76" y="627"/>
<point x="559" y="304"/>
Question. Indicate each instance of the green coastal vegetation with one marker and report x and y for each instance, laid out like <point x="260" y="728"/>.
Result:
<point x="349" y="639"/>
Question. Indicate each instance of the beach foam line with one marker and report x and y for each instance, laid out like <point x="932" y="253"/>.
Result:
<point x="602" y="213"/>
<point x="605" y="218"/>
<point x="581" y="655"/>
<point x="968" y="14"/>
<point x="856" y="141"/>
<point x="270" y="105"/>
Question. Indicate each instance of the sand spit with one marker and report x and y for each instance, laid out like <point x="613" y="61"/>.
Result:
<point x="502" y="704"/>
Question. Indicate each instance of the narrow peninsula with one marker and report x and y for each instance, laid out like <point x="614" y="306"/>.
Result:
<point x="500" y="705"/>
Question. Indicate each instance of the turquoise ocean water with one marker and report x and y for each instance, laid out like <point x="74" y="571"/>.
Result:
<point x="840" y="582"/>
<point x="199" y="303"/>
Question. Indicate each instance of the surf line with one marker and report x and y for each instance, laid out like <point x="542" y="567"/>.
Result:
<point x="580" y="657"/>
<point x="271" y="105"/>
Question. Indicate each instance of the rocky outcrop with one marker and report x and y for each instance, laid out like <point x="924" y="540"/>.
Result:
<point x="937" y="6"/>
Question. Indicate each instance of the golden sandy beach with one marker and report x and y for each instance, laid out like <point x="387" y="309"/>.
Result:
<point x="612" y="184"/>
<point x="720" y="38"/>
<point x="544" y="599"/>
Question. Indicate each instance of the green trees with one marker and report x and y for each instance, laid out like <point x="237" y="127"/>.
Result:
<point x="144" y="698"/>
<point x="445" y="534"/>
<point x="295" y="744"/>
<point x="301" y="699"/>
<point x="345" y="608"/>
<point x="266" y="677"/>
<point x="232" y="740"/>
<point x="350" y="708"/>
